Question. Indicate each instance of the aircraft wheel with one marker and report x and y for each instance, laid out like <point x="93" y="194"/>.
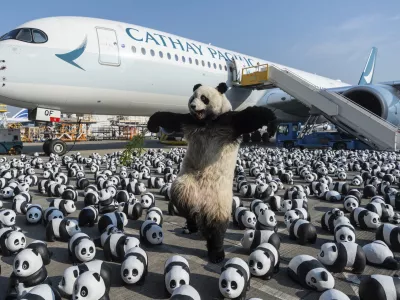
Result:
<point x="57" y="147"/>
<point x="46" y="148"/>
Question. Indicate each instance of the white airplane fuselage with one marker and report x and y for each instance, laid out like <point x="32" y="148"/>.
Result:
<point x="105" y="67"/>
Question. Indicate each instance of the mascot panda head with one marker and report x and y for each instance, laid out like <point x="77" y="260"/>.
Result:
<point x="207" y="103"/>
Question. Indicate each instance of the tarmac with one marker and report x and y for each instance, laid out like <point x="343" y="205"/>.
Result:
<point x="204" y="275"/>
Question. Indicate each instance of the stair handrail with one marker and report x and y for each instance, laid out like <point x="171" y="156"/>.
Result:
<point x="290" y="73"/>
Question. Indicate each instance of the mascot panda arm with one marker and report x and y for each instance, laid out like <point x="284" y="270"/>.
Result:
<point x="170" y="121"/>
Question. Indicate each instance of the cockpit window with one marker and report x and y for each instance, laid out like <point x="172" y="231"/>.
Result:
<point x="28" y="35"/>
<point x="24" y="35"/>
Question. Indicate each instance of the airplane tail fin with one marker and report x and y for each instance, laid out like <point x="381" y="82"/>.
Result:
<point x="368" y="73"/>
<point x="22" y="114"/>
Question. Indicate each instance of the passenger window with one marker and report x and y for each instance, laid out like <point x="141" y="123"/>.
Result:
<point x="190" y="60"/>
<point x="183" y="59"/>
<point x="197" y="62"/>
<point x="161" y="54"/>
<point x="24" y="35"/>
<point x="176" y="57"/>
<point x="215" y="66"/>
<point x="152" y="52"/>
<point x="169" y="56"/>
<point x="220" y="67"/>
<point x="39" y="36"/>
<point x="133" y="49"/>
<point x="202" y="62"/>
<point x="143" y="51"/>
<point x="209" y="65"/>
<point x="226" y="69"/>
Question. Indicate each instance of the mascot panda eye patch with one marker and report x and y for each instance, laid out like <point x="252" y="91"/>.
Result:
<point x="205" y="99"/>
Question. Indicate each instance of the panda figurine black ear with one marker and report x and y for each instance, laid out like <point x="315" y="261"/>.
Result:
<point x="222" y="88"/>
<point x="196" y="86"/>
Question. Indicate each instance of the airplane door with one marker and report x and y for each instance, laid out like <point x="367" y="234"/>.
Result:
<point x="108" y="47"/>
<point x="237" y="70"/>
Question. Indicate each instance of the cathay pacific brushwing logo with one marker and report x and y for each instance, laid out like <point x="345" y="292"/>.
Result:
<point x="70" y="57"/>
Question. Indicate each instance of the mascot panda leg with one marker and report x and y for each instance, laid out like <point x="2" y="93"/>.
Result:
<point x="202" y="191"/>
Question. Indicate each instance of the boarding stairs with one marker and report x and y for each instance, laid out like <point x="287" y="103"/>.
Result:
<point x="347" y="115"/>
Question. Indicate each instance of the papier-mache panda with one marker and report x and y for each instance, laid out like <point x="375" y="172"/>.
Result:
<point x="244" y="218"/>
<point x="234" y="280"/>
<point x="350" y="203"/>
<point x="390" y="234"/>
<point x="211" y="122"/>
<point x="66" y="284"/>
<point x="12" y="240"/>
<point x="337" y="257"/>
<point x="379" y="287"/>
<point x="302" y="231"/>
<point x="50" y="214"/>
<point x="66" y="206"/>
<point x="292" y="204"/>
<point x="117" y="244"/>
<point x="90" y="284"/>
<point x="88" y="216"/>
<point x="344" y="233"/>
<point x="257" y="206"/>
<point x="134" y="267"/>
<point x="264" y="261"/>
<point x="155" y="214"/>
<point x="379" y="254"/>
<point x="332" y="218"/>
<point x="275" y="202"/>
<point x="253" y="238"/>
<point x="310" y="273"/>
<point x="42" y="292"/>
<point x="117" y="219"/>
<point x="364" y="218"/>
<point x="176" y="273"/>
<point x="294" y="214"/>
<point x="61" y="229"/>
<point x="151" y="233"/>
<point x="81" y="248"/>
<point x="383" y="210"/>
<point x="267" y="221"/>
<point x="20" y="205"/>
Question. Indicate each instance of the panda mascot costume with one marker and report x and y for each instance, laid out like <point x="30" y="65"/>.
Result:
<point x="213" y="133"/>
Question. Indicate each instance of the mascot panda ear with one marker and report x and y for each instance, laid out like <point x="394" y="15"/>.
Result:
<point x="222" y="88"/>
<point x="196" y="86"/>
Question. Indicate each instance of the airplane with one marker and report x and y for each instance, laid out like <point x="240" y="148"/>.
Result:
<point x="96" y="66"/>
<point x="20" y="117"/>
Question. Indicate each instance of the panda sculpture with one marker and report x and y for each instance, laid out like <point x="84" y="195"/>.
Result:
<point x="264" y="261"/>
<point x="41" y="248"/>
<point x="28" y="272"/>
<point x="234" y="281"/>
<point x="275" y="202"/>
<point x="379" y="287"/>
<point x="61" y="229"/>
<point x="350" y="203"/>
<point x="81" y="248"/>
<point x="132" y="209"/>
<point x="42" y="292"/>
<point x="364" y="218"/>
<point x="151" y="233"/>
<point x="337" y="257"/>
<point x="244" y="218"/>
<point x="257" y="206"/>
<point x="302" y="231"/>
<point x="66" y="284"/>
<point x="66" y="206"/>
<point x="383" y="210"/>
<point x="254" y="238"/>
<point x="390" y="234"/>
<point x="344" y="233"/>
<point x="328" y="218"/>
<point x="211" y="122"/>
<point x="34" y="214"/>
<point x="134" y="267"/>
<point x="310" y="273"/>
<point x="50" y="214"/>
<point x="11" y="241"/>
<point x="117" y="219"/>
<point x="292" y="204"/>
<point x="267" y="221"/>
<point x="333" y="294"/>
<point x="88" y="216"/>
<point x="147" y="200"/>
<point x="379" y="254"/>
<point x="90" y="285"/>
<point x="185" y="292"/>
<point x="7" y="217"/>
<point x="294" y="214"/>
<point x="117" y="244"/>
<point x="155" y="214"/>
<point x="176" y="273"/>
<point x="20" y="206"/>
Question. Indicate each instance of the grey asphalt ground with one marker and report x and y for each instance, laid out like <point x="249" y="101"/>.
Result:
<point x="204" y="276"/>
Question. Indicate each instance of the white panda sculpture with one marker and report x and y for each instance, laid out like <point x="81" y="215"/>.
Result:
<point x="151" y="233"/>
<point x="390" y="234"/>
<point x="116" y="246"/>
<point x="185" y="292"/>
<point x="61" y="229"/>
<point x="88" y="216"/>
<point x="90" y="286"/>
<point x="328" y="218"/>
<point x="155" y="214"/>
<point x="117" y="219"/>
<point x="42" y="292"/>
<point x="176" y="273"/>
<point x="253" y="238"/>
<point x="7" y="217"/>
<point x="379" y="287"/>
<point x="81" y="248"/>
<point x="34" y="214"/>
<point x="337" y="257"/>
<point x="11" y="241"/>
<point x="383" y="210"/>
<point x="333" y="294"/>
<point x="344" y="233"/>
<point x="350" y="203"/>
<point x="234" y="281"/>
<point x="66" y="284"/>
<point x="66" y="206"/>
<point x="257" y="206"/>
<point x="210" y="122"/>
<point x="379" y="254"/>
<point x="244" y="218"/>
<point x="294" y="214"/>
<point x="310" y="273"/>
<point x="266" y="221"/>
<point x="303" y="231"/>
<point x="364" y="218"/>
<point x="134" y="267"/>
<point x="264" y="261"/>
<point x="292" y="204"/>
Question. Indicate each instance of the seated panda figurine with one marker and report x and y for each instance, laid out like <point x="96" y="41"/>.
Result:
<point x="134" y="267"/>
<point x="337" y="257"/>
<point x="234" y="280"/>
<point x="11" y="241"/>
<point x="61" y="229"/>
<point x="90" y="284"/>
<point x="81" y="248"/>
<point x="244" y="218"/>
<point x="267" y="221"/>
<point x="294" y="214"/>
<point x="66" y="284"/>
<point x="264" y="261"/>
<point x="118" y="219"/>
<point x="350" y="203"/>
<point x="176" y="273"/>
<point x="310" y="273"/>
<point x="116" y="246"/>
<point x="257" y="206"/>
<point x="151" y="233"/>
<point x="328" y="218"/>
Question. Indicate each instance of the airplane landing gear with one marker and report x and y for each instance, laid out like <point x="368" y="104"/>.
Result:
<point x="54" y="146"/>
